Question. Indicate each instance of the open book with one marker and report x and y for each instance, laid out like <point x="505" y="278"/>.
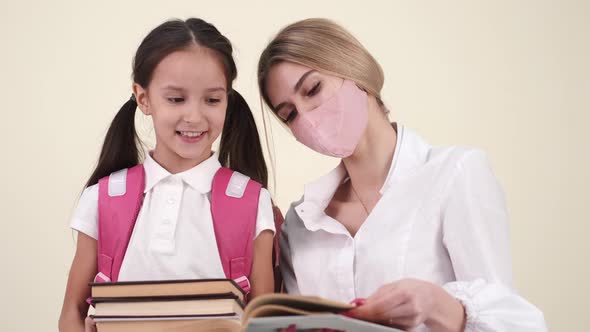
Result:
<point x="275" y="311"/>
<point x="212" y="305"/>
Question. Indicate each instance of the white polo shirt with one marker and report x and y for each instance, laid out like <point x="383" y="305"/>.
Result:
<point x="173" y="236"/>
<point x="441" y="218"/>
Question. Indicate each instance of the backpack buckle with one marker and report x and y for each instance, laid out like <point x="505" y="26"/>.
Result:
<point x="244" y="283"/>
<point x="118" y="183"/>
<point x="237" y="185"/>
<point x="101" y="277"/>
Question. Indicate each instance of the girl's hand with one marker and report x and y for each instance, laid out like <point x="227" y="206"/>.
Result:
<point x="89" y="325"/>
<point x="408" y="303"/>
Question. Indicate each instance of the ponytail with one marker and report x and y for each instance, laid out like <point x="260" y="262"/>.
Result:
<point x="240" y="147"/>
<point x="240" y="144"/>
<point x="120" y="148"/>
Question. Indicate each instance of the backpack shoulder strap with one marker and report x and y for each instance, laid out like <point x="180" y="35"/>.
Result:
<point x="234" y="208"/>
<point x="120" y="197"/>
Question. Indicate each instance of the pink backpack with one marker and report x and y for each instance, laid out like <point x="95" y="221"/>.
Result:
<point x="234" y="199"/>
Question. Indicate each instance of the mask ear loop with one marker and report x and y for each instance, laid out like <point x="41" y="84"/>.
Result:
<point x="379" y="101"/>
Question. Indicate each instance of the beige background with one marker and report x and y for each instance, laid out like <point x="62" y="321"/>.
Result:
<point x="510" y="77"/>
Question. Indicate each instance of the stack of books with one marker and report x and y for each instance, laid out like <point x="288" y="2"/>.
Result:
<point x="191" y="305"/>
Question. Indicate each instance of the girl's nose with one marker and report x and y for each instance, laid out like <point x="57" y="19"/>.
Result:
<point x="192" y="113"/>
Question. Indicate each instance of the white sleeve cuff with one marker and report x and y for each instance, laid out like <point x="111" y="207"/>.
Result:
<point x="81" y="227"/>
<point x="492" y="307"/>
<point x="85" y="217"/>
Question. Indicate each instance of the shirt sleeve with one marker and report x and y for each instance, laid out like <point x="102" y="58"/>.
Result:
<point x="85" y="219"/>
<point x="286" y="263"/>
<point x="265" y="218"/>
<point x="475" y="233"/>
<point x="493" y="307"/>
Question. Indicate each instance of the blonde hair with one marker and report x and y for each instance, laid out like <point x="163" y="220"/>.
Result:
<point x="325" y="46"/>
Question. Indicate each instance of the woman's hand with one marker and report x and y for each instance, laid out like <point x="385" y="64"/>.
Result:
<point x="408" y="303"/>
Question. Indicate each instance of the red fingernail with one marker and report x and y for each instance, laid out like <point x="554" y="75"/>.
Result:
<point x="358" y="302"/>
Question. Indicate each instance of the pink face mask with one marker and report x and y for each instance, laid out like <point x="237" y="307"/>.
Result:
<point x="335" y="127"/>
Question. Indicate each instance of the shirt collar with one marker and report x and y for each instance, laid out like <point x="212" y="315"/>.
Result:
<point x="411" y="151"/>
<point x="199" y="177"/>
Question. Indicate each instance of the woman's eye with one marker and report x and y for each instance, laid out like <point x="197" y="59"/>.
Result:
<point x="176" y="100"/>
<point x="291" y="116"/>
<point x="314" y="90"/>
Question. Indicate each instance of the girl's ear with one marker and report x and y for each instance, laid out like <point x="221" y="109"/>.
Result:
<point x="142" y="99"/>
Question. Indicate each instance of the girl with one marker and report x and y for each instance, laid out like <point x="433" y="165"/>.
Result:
<point x="421" y="232"/>
<point x="182" y="78"/>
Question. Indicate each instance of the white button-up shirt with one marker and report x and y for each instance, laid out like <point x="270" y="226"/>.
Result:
<point x="441" y="218"/>
<point x="173" y="237"/>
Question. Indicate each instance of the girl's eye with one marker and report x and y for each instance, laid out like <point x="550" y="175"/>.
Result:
<point x="314" y="90"/>
<point x="292" y="115"/>
<point x="213" y="100"/>
<point x="176" y="100"/>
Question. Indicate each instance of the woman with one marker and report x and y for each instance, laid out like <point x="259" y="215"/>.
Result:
<point x="421" y="232"/>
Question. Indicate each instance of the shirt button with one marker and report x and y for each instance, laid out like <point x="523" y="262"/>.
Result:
<point x="171" y="201"/>
<point x="166" y="221"/>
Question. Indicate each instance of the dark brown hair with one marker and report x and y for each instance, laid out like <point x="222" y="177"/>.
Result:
<point x="240" y="147"/>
